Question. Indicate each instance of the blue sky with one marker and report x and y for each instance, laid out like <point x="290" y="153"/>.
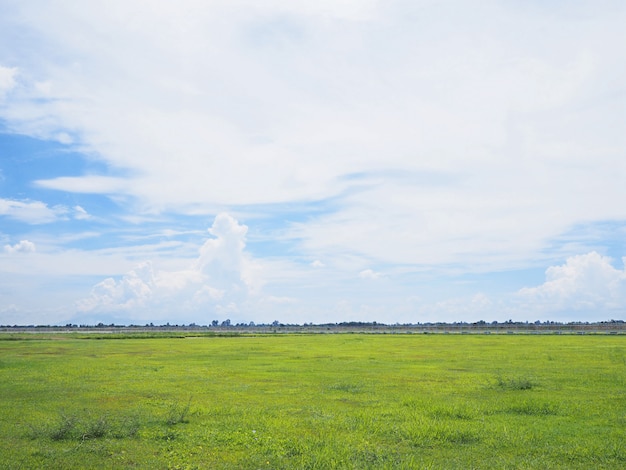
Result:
<point x="316" y="162"/>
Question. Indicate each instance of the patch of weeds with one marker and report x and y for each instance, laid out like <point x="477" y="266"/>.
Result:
<point x="127" y="427"/>
<point x="432" y="434"/>
<point x="452" y="436"/>
<point x="515" y="383"/>
<point x="97" y="428"/>
<point x="411" y="403"/>
<point x="177" y="413"/>
<point x="372" y="457"/>
<point x="65" y="428"/>
<point x="459" y="436"/>
<point x="346" y="387"/>
<point x="169" y="435"/>
<point x="436" y="434"/>
<point x="530" y="408"/>
<point x="616" y="452"/>
<point x="73" y="427"/>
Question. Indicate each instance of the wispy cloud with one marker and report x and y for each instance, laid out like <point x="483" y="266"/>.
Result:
<point x="38" y="212"/>
<point x="31" y="212"/>
<point x="496" y="110"/>
<point x="85" y="184"/>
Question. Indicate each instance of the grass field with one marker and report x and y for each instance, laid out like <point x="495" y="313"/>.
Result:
<point x="314" y="401"/>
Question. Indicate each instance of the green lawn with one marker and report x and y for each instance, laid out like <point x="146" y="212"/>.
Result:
<point x="315" y="401"/>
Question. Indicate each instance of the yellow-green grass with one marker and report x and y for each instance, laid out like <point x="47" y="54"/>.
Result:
<point x="314" y="401"/>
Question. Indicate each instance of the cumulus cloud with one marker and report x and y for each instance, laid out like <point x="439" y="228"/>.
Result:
<point x="585" y="282"/>
<point x="133" y="291"/>
<point x="219" y="280"/>
<point x="24" y="246"/>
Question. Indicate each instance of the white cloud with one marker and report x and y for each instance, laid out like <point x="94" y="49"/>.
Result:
<point x="31" y="212"/>
<point x="85" y="184"/>
<point x="24" y="246"/>
<point x="317" y="264"/>
<point x="38" y="212"/>
<point x="369" y="274"/>
<point x="222" y="278"/>
<point x="131" y="292"/>
<point x="586" y="282"/>
<point x="81" y="214"/>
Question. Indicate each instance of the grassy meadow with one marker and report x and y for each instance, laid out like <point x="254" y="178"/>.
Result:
<point x="314" y="401"/>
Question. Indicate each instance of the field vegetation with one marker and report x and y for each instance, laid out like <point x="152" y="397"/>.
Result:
<point x="314" y="401"/>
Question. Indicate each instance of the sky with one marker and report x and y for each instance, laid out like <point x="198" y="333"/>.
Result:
<point x="311" y="162"/>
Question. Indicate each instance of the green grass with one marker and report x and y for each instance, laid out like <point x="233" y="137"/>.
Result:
<point x="314" y="402"/>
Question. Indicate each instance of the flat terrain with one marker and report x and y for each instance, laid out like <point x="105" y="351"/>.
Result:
<point x="314" y="401"/>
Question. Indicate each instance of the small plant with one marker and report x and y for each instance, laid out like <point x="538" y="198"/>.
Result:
<point x="515" y="383"/>
<point x="178" y="414"/>
<point x="64" y="429"/>
<point x="97" y="428"/>
<point x="128" y="427"/>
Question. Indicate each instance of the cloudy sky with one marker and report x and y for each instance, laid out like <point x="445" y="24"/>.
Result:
<point x="300" y="161"/>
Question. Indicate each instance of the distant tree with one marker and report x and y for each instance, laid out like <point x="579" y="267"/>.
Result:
<point x="226" y="322"/>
